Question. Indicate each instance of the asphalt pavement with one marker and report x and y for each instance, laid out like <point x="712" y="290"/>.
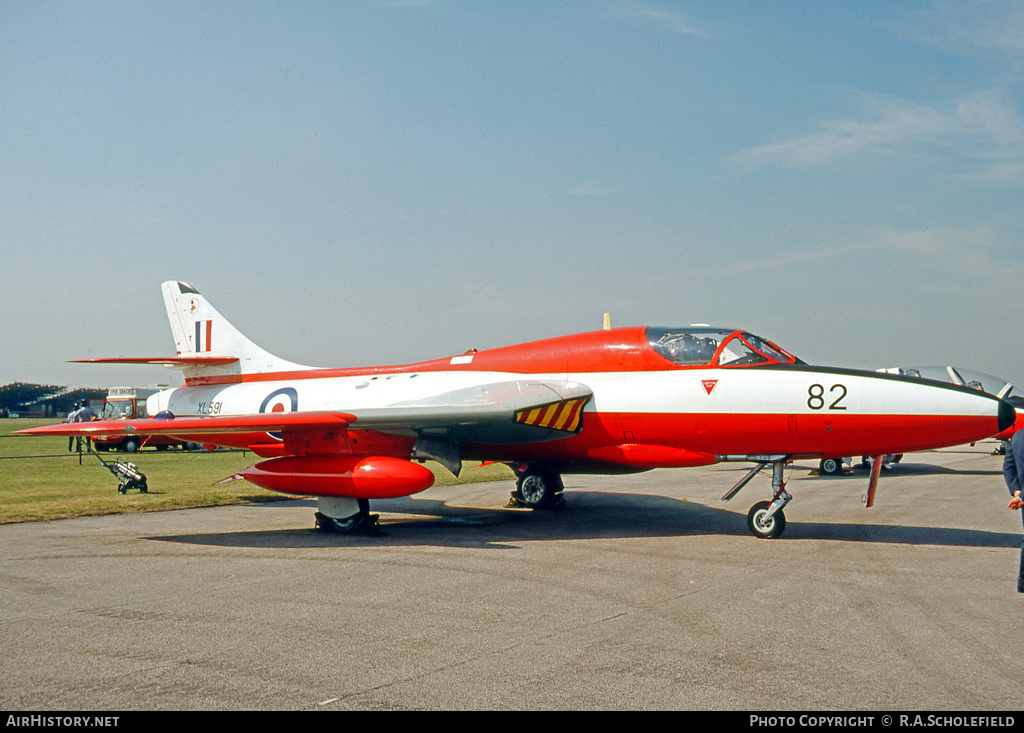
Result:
<point x="645" y="592"/>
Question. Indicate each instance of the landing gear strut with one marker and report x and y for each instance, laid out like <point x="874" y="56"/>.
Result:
<point x="336" y="515"/>
<point x="766" y="520"/>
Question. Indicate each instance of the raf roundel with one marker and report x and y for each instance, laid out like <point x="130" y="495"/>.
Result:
<point x="285" y="399"/>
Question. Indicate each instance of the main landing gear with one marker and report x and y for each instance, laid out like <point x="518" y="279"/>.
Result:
<point x="765" y="520"/>
<point x="537" y="487"/>
<point x="830" y="466"/>
<point x="344" y="515"/>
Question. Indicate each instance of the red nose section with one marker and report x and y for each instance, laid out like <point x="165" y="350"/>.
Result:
<point x="359" y="477"/>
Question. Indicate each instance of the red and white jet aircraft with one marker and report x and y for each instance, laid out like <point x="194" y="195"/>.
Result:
<point x="610" y="401"/>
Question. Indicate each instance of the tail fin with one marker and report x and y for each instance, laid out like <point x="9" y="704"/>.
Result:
<point x="207" y="344"/>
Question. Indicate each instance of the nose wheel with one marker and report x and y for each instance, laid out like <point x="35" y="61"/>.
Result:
<point x="763" y="525"/>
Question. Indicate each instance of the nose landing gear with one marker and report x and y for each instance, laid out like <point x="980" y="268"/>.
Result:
<point x="765" y="520"/>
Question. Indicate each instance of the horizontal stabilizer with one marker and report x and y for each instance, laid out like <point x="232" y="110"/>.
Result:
<point x="171" y="362"/>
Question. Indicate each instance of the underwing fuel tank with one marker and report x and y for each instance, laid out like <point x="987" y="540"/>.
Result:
<point x="359" y="477"/>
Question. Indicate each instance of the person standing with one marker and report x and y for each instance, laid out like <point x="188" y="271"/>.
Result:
<point x="72" y="418"/>
<point x="1013" y="472"/>
<point x="82" y="413"/>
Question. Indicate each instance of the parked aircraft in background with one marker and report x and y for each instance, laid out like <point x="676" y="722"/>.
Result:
<point x="611" y="401"/>
<point x="835" y="466"/>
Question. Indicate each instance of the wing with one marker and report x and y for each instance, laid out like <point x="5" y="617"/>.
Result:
<point x="522" y="411"/>
<point x="209" y="426"/>
<point x="519" y="411"/>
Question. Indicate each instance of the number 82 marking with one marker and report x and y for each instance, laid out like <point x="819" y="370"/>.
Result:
<point x="816" y="397"/>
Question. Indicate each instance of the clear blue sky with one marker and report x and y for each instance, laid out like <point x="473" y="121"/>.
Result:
<point x="378" y="182"/>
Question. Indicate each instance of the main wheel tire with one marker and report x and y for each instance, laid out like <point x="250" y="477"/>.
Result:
<point x="831" y="466"/>
<point x="346" y="525"/>
<point x="537" y="488"/>
<point x="763" y="529"/>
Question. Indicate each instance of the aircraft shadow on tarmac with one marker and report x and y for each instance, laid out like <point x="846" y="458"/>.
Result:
<point x="588" y="515"/>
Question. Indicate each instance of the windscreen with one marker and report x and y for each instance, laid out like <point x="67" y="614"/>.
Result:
<point x="118" y="408"/>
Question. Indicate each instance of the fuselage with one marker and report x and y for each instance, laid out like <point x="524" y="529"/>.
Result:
<point x="654" y="404"/>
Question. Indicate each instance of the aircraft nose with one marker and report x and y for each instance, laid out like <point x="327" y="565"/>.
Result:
<point x="1007" y="415"/>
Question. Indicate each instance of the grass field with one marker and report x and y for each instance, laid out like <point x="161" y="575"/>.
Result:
<point x="40" y="479"/>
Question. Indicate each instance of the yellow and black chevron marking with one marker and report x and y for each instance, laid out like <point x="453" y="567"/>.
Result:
<point x="564" y="415"/>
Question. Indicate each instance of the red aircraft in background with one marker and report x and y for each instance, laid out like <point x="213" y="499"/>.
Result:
<point x="610" y="401"/>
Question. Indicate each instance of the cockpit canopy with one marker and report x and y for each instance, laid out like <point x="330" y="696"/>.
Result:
<point x="699" y="346"/>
